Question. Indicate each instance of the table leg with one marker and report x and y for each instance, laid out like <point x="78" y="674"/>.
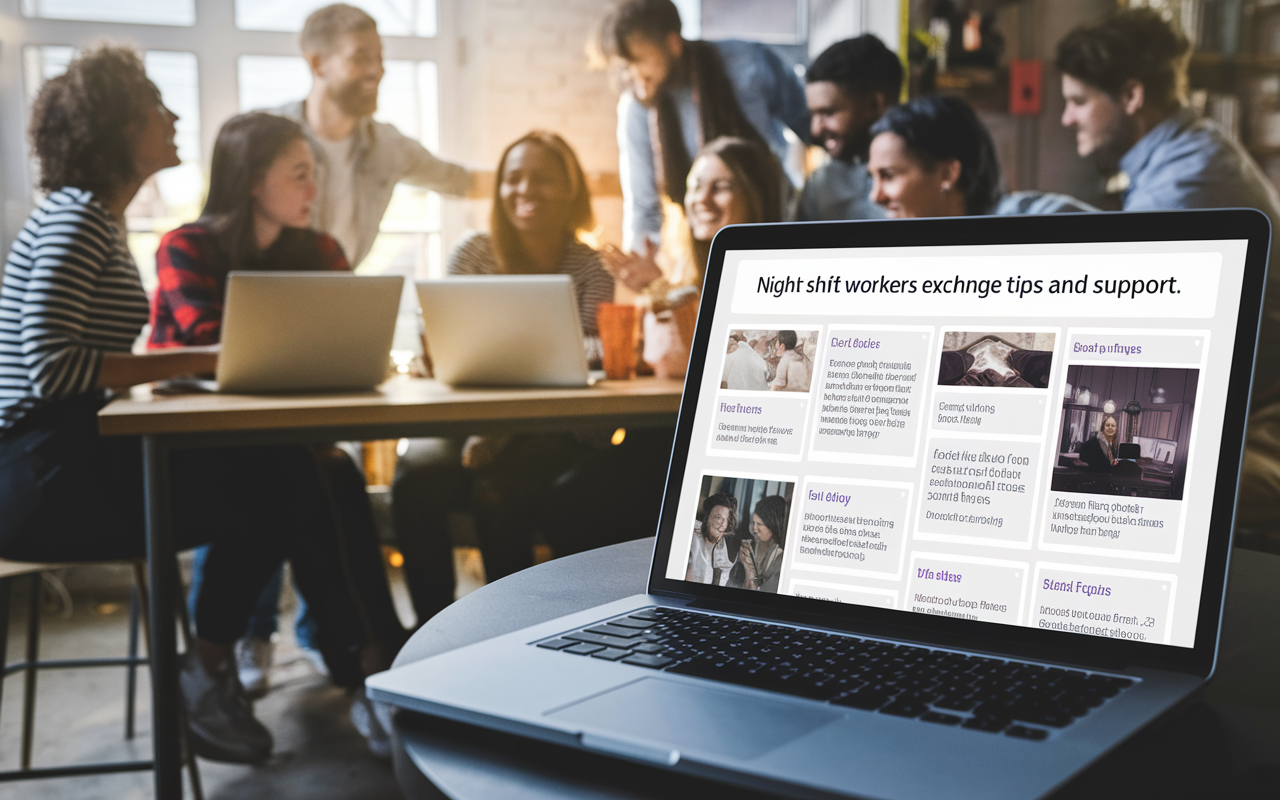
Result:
<point x="165" y="732"/>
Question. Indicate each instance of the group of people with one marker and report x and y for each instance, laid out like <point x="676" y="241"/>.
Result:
<point x="719" y="556"/>
<point x="304" y="187"/>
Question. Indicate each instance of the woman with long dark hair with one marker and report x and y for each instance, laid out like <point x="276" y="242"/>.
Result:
<point x="933" y="157"/>
<point x="261" y="187"/>
<point x="761" y="556"/>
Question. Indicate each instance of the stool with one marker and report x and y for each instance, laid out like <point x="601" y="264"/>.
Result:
<point x="9" y="570"/>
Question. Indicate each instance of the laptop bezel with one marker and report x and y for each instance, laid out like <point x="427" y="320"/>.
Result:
<point x="1226" y="224"/>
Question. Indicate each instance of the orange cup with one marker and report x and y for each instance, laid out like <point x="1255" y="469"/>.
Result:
<point x="686" y="317"/>
<point x="617" y="322"/>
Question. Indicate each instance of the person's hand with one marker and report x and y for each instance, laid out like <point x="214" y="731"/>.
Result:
<point x="202" y="360"/>
<point x="635" y="270"/>
<point x="480" y="451"/>
<point x="747" y="558"/>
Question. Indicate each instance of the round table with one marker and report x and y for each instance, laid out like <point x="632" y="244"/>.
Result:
<point x="1226" y="745"/>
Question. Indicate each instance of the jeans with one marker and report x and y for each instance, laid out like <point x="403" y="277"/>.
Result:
<point x="265" y="620"/>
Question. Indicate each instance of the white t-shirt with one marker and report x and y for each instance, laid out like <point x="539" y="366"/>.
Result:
<point x="337" y="195"/>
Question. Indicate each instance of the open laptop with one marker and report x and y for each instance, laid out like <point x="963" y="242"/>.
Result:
<point x="306" y="331"/>
<point x="504" y="330"/>
<point x="953" y="613"/>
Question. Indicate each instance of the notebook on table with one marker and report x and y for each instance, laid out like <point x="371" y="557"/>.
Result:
<point x="889" y="583"/>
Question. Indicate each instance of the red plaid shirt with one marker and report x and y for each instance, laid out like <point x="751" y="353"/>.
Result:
<point x="191" y="271"/>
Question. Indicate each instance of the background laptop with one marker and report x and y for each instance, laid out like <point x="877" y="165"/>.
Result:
<point x="959" y="612"/>
<point x="504" y="330"/>
<point x="291" y="331"/>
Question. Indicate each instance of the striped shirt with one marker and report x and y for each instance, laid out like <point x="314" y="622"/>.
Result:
<point x="71" y="292"/>
<point x="592" y="283"/>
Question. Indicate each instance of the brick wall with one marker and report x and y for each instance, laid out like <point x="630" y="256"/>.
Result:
<point x="525" y="66"/>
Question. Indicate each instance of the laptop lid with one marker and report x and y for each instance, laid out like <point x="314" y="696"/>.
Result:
<point x="504" y="330"/>
<point x="911" y="410"/>
<point x="307" y="331"/>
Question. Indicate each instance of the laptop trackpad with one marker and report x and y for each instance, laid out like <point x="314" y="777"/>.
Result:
<point x="697" y="718"/>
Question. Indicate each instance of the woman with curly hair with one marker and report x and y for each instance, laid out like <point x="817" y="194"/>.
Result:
<point x="761" y="558"/>
<point x="709" y="557"/>
<point x="70" y="308"/>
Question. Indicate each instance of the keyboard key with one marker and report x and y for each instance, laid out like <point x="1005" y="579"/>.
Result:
<point x="614" y="630"/>
<point x="596" y="638"/>
<point x="649" y="614"/>
<point x="958" y="702"/>
<point x="941" y="719"/>
<point x="611" y="654"/>
<point x="583" y="649"/>
<point x="556" y="644"/>
<point x="632" y="622"/>
<point x="988" y="724"/>
<point x="643" y="660"/>
<point x="863" y="698"/>
<point x="1034" y="734"/>
<point x="905" y="708"/>
<point x="648" y="647"/>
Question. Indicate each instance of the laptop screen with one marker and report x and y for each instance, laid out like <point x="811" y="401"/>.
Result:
<point x="1017" y="434"/>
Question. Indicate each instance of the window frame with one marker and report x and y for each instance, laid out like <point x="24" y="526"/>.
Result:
<point x="217" y="45"/>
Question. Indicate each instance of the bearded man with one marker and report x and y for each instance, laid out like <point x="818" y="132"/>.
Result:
<point x="848" y="87"/>
<point x="358" y="161"/>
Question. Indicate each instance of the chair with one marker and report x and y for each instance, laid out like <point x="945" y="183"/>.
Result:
<point x="31" y="665"/>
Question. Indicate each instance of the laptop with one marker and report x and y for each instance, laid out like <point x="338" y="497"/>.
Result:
<point x="306" y="331"/>
<point x="504" y="330"/>
<point x="876" y="585"/>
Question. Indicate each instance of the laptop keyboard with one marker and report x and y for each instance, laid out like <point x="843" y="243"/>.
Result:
<point x="945" y="688"/>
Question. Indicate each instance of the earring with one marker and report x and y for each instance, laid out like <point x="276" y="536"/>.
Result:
<point x="946" y="186"/>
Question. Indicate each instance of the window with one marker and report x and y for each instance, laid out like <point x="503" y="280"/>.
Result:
<point x="395" y="17"/>
<point x="146" y="12"/>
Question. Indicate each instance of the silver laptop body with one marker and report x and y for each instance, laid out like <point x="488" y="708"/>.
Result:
<point x="306" y="331"/>
<point x="504" y="330"/>
<point x="1150" y="596"/>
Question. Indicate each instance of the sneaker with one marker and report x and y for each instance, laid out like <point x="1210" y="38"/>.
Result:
<point x="219" y="719"/>
<point x="253" y="663"/>
<point x="373" y="719"/>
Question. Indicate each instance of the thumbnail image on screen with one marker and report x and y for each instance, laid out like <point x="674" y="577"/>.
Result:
<point x="1125" y="430"/>
<point x="740" y="533"/>
<point x="769" y="360"/>
<point x="996" y="359"/>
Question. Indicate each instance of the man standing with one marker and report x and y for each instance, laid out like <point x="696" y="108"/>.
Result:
<point x="848" y="87"/>
<point x="682" y="94"/>
<point x="1124" y="82"/>
<point x="358" y="161"/>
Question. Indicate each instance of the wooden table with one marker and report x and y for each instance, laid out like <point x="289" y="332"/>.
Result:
<point x="400" y="407"/>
